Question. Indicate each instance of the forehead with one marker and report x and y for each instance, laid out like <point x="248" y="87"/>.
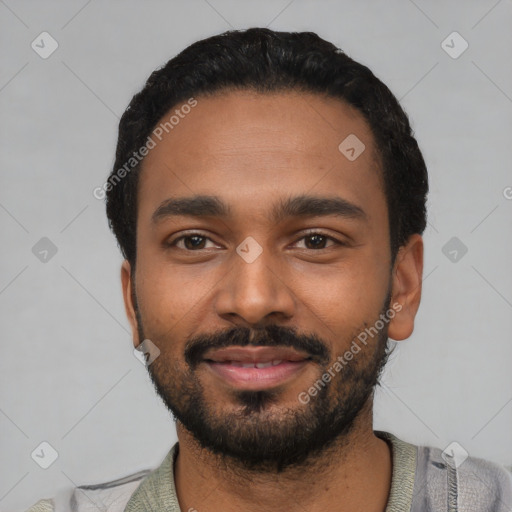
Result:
<point x="249" y="147"/>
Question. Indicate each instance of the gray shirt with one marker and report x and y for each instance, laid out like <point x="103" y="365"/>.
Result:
<point x="422" y="481"/>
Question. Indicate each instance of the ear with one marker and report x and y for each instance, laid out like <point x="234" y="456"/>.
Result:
<point x="126" y="281"/>
<point x="406" y="287"/>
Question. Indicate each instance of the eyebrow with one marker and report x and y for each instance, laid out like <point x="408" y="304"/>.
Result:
<point x="298" y="206"/>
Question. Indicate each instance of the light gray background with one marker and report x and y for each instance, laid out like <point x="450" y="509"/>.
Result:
<point x="68" y="373"/>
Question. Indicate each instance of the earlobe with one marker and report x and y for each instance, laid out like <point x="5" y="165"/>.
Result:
<point x="406" y="287"/>
<point x="129" y="306"/>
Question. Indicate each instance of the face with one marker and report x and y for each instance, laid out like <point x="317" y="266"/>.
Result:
<point x="263" y="255"/>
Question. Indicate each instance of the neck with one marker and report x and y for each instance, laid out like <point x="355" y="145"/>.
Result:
<point x="354" y="473"/>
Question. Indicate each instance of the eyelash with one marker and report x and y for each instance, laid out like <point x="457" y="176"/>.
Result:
<point x="305" y="235"/>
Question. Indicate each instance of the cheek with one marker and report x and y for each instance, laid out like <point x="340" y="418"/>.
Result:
<point x="351" y="291"/>
<point x="171" y="297"/>
<point x="346" y="301"/>
<point x="162" y="300"/>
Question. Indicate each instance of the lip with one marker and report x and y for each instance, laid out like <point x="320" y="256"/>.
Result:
<point x="256" y="368"/>
<point x="255" y="354"/>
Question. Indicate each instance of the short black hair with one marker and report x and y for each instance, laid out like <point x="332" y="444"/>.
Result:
<point x="266" y="61"/>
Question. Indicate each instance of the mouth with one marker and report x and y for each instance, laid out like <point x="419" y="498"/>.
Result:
<point x="256" y="368"/>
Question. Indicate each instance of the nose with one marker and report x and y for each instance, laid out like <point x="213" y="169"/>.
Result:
<point x="254" y="293"/>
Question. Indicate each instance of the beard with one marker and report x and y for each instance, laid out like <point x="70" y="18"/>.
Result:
<point x="260" y="435"/>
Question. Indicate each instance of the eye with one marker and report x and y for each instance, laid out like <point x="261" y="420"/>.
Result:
<point x="316" y="241"/>
<point x="196" y="241"/>
<point x="191" y="242"/>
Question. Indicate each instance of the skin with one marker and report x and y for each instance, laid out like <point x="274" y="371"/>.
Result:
<point x="252" y="150"/>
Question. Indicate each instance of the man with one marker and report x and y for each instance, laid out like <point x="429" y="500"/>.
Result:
<point x="269" y="199"/>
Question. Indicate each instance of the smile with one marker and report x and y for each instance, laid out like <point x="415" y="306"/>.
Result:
<point x="256" y="368"/>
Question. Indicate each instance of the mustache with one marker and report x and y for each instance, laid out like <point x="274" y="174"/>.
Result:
<point x="269" y="336"/>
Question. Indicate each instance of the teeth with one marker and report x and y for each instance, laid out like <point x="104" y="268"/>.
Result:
<point x="267" y="364"/>
<point x="264" y="365"/>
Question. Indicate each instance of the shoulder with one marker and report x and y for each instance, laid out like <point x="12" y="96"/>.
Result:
<point x="428" y="479"/>
<point x="469" y="483"/>
<point x="109" y="496"/>
<point x="46" y="505"/>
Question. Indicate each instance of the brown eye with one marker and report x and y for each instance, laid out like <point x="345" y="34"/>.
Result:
<point x="191" y="242"/>
<point x="194" y="242"/>
<point x="317" y="241"/>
